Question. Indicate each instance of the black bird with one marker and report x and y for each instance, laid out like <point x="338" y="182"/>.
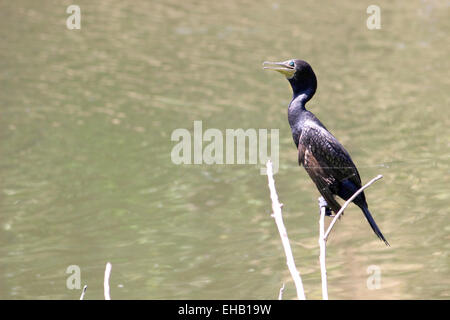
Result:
<point x="327" y="162"/>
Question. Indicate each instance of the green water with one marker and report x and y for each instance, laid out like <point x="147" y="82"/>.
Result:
<point x="86" y="118"/>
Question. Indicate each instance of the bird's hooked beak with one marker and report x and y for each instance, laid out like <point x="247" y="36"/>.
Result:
<point x="282" y="67"/>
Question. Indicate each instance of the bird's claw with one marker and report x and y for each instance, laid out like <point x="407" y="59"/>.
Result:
<point x="329" y="213"/>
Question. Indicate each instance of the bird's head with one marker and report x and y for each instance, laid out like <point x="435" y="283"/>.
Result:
<point x="299" y="73"/>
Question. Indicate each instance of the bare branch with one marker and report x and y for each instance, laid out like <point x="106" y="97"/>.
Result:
<point x="276" y="207"/>
<point x="280" y="295"/>
<point x="106" y="281"/>
<point x="83" y="292"/>
<point x="330" y="227"/>
<point x="323" y="249"/>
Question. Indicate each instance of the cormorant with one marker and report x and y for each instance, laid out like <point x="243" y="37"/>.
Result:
<point x="325" y="160"/>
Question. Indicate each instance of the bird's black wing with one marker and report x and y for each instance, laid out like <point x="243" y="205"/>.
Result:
<point x="326" y="161"/>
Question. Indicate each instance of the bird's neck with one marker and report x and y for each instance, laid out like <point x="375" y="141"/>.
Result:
<point x="303" y="88"/>
<point x="296" y="108"/>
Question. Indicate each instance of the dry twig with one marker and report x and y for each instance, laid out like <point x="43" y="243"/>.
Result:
<point x="323" y="248"/>
<point x="83" y="292"/>
<point x="106" y="281"/>
<point x="277" y="215"/>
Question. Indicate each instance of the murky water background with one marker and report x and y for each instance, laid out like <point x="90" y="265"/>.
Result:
<point x="86" y="118"/>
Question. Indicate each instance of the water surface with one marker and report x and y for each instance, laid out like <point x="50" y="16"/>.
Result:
<point x="86" y="118"/>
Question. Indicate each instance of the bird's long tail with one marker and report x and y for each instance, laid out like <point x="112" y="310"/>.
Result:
<point x="374" y="225"/>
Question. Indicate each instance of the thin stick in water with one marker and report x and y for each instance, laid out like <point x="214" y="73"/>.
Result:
<point x="323" y="248"/>
<point x="280" y="294"/>
<point x="106" y="281"/>
<point x="83" y="292"/>
<point x="276" y="207"/>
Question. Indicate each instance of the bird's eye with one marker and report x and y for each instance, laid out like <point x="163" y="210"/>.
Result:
<point x="291" y="63"/>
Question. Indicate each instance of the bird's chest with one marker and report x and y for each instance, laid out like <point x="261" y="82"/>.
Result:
<point x="296" y="136"/>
